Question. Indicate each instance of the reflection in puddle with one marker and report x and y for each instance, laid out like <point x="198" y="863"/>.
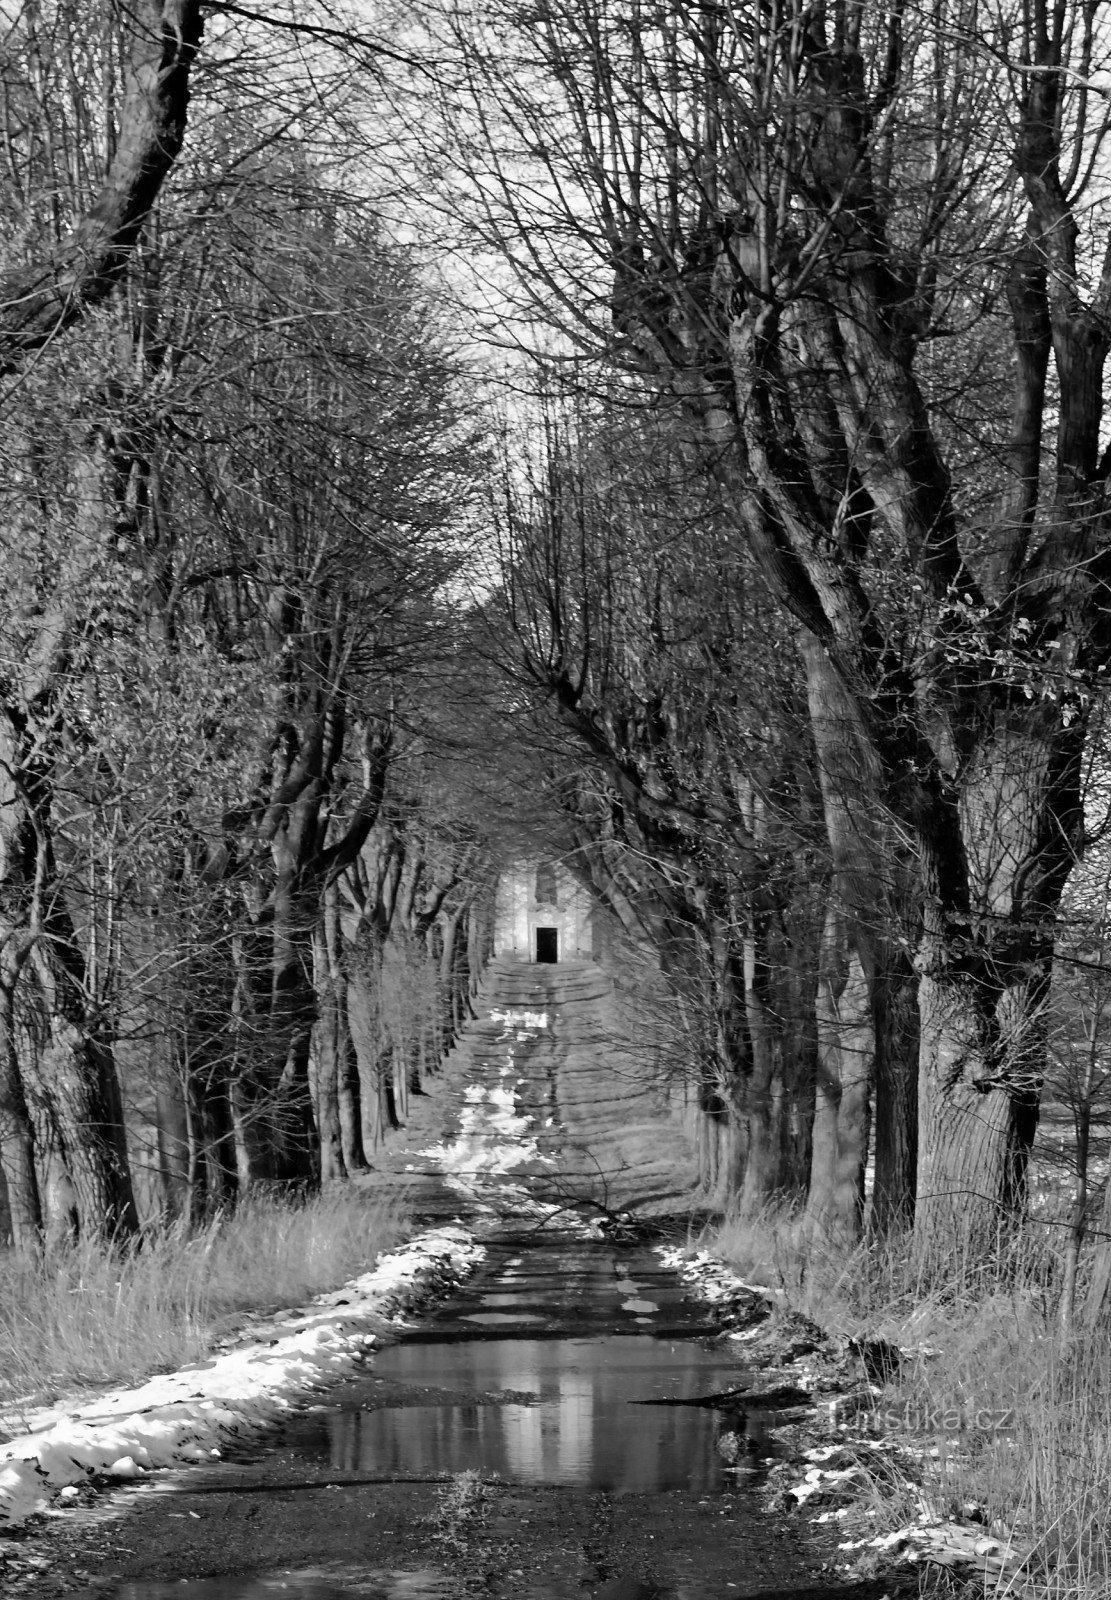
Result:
<point x="493" y="1317"/>
<point x="313" y="1583"/>
<point x="354" y="1583"/>
<point x="582" y="1430"/>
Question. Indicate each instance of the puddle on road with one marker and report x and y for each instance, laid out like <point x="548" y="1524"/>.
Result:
<point x="492" y="1318"/>
<point x="312" y="1584"/>
<point x="356" y="1584"/>
<point x="572" y="1286"/>
<point x="580" y="1428"/>
<point x="534" y="1366"/>
<point x="550" y="1403"/>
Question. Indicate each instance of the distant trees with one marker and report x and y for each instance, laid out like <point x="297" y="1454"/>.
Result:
<point x="634" y="609"/>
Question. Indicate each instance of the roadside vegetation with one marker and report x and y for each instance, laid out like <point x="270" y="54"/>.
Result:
<point x="462" y="1508"/>
<point x="1003" y="1419"/>
<point x="80" y="1315"/>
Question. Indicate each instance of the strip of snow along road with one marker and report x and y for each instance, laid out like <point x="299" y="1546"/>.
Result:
<point x="965" y="1546"/>
<point x="184" y="1417"/>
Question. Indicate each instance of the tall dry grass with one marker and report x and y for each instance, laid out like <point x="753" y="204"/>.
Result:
<point x="82" y="1315"/>
<point x="1004" y="1419"/>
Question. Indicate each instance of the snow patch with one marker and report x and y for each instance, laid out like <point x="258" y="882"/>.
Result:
<point x="514" y="1018"/>
<point x="495" y="1137"/>
<point x="710" y="1278"/>
<point x="186" y="1416"/>
<point x="948" y="1544"/>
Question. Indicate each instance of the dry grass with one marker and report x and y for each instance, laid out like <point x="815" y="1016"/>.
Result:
<point x="1008" y="1423"/>
<point x="84" y="1316"/>
<point x="462" y="1506"/>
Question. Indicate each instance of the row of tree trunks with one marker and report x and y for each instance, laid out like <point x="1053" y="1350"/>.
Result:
<point x="740" y="988"/>
<point x="776" y="282"/>
<point x="397" y="960"/>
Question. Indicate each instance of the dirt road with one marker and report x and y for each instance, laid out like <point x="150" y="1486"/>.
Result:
<point x="544" y="1434"/>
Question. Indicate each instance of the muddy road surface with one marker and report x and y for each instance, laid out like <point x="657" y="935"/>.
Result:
<point x="543" y="1435"/>
<point x="555" y="1430"/>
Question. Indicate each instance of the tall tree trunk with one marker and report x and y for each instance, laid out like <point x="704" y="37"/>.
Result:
<point x="326" y="1061"/>
<point x="294" y="911"/>
<point x="866" y="987"/>
<point x="174" y="1155"/>
<point x="213" y="1164"/>
<point x="347" y="1067"/>
<point x="844" y="1004"/>
<point x="363" y="996"/>
<point x="22" y="866"/>
<point x="77" y="1071"/>
<point x="763" y="1096"/>
<point x="846" y="1044"/>
<point x="85" y="1103"/>
<point x="995" y="865"/>
<point x="895" y="1139"/>
<point x="17" y="1138"/>
<point x="324" y="1069"/>
<point x="451" y="979"/>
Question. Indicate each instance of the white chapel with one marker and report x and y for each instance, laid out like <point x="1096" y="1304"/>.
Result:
<point x="542" y="913"/>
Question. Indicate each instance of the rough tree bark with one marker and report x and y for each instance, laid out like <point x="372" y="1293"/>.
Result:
<point x="286" y="872"/>
<point x="37" y="935"/>
<point x="17" y="1137"/>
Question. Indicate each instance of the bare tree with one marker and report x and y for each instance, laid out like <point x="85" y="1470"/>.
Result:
<point x="221" y="537"/>
<point x="67" y="274"/>
<point x="636" y="613"/>
<point x="786" y="221"/>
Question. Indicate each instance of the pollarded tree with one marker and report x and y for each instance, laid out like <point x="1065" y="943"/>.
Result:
<point x="799" y="224"/>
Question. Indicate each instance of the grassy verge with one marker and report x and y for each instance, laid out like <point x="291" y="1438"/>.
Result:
<point x="1008" y="1425"/>
<point x="84" y="1316"/>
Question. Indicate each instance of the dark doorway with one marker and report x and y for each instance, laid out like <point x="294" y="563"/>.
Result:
<point x="547" y="944"/>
